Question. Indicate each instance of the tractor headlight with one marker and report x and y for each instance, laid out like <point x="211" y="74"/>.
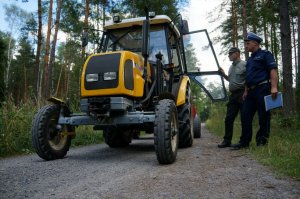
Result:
<point x="92" y="77"/>
<point x="110" y="76"/>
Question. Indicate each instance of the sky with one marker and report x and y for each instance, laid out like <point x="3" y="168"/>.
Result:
<point x="196" y="14"/>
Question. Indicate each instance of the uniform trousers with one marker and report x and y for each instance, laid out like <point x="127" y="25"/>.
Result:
<point x="255" y="102"/>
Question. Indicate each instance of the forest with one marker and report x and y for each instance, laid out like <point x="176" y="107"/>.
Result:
<point x="35" y="64"/>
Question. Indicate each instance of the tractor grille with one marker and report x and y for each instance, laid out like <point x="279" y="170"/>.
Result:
<point x="100" y="65"/>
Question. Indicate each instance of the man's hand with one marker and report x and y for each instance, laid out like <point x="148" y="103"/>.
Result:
<point x="274" y="92"/>
<point x="221" y="71"/>
<point x="274" y="83"/>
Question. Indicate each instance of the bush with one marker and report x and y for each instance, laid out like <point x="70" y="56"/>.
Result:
<point x="15" y="128"/>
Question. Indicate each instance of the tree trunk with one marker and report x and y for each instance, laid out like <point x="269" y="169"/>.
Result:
<point x="59" y="79"/>
<point x="37" y="88"/>
<point x="287" y="73"/>
<point x="298" y="66"/>
<point x="46" y="68"/>
<point x="52" y="57"/>
<point x="103" y="11"/>
<point x="25" y="84"/>
<point x="294" y="47"/>
<point x="9" y="58"/>
<point x="254" y="19"/>
<point x="234" y="24"/>
<point x="86" y="22"/>
<point x="265" y="28"/>
<point x="244" y="20"/>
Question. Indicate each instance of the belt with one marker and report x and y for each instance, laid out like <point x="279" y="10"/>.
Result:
<point x="260" y="83"/>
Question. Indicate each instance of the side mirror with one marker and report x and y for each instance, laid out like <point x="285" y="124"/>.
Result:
<point x="84" y="39"/>
<point x="184" y="27"/>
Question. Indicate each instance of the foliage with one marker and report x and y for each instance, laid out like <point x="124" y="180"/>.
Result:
<point x="201" y="101"/>
<point x="15" y="127"/>
<point x="167" y="7"/>
<point x="71" y="13"/>
<point x="22" y="73"/>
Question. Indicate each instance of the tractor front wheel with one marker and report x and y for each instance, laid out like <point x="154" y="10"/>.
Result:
<point x="50" y="140"/>
<point x="166" y="131"/>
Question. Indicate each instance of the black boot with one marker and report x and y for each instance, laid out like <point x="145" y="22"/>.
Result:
<point x="239" y="146"/>
<point x="224" y="144"/>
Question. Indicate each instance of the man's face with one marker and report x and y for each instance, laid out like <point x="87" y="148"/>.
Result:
<point x="233" y="56"/>
<point x="251" y="46"/>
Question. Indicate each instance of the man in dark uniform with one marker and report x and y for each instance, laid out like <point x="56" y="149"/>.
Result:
<point x="236" y="77"/>
<point x="261" y="80"/>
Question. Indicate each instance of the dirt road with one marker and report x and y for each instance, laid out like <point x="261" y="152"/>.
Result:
<point x="97" y="171"/>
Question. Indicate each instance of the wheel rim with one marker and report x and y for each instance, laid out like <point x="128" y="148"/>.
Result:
<point x="174" y="133"/>
<point x="56" y="139"/>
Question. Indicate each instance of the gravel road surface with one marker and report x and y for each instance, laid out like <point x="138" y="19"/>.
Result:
<point x="97" y="171"/>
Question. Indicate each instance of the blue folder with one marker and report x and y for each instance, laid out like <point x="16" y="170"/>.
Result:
<point x="272" y="104"/>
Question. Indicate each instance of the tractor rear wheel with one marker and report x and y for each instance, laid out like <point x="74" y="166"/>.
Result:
<point x="166" y="131"/>
<point x="50" y="140"/>
<point x="186" y="132"/>
<point x="115" y="137"/>
<point x="197" y="127"/>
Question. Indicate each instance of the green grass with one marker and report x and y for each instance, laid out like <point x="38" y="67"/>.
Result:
<point x="85" y="135"/>
<point x="283" y="151"/>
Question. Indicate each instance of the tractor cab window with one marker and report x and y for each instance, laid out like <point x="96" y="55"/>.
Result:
<point x="131" y="39"/>
<point x="124" y="39"/>
<point x="157" y="45"/>
<point x="175" y="56"/>
<point x="198" y="53"/>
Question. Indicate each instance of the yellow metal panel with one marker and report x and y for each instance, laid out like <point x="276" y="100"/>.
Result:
<point x="182" y="90"/>
<point x="138" y="70"/>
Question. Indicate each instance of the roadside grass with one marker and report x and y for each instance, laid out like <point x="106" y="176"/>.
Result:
<point x="15" y="130"/>
<point x="282" y="153"/>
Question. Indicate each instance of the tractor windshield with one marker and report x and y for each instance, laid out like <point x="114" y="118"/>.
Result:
<point x="131" y="40"/>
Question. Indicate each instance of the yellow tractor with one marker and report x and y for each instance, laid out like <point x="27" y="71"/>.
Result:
<point x="139" y="81"/>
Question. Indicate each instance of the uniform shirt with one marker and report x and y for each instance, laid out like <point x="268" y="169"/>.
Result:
<point x="237" y="75"/>
<point x="258" y="67"/>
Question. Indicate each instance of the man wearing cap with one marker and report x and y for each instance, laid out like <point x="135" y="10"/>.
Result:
<point x="261" y="80"/>
<point x="236" y="77"/>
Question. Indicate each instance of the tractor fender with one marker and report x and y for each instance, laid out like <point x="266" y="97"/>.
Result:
<point x="55" y="100"/>
<point x="181" y="94"/>
<point x="65" y="110"/>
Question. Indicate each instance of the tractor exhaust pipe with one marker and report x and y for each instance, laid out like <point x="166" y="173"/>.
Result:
<point x="145" y="44"/>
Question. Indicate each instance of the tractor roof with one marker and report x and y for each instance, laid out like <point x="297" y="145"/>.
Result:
<point x="158" y="19"/>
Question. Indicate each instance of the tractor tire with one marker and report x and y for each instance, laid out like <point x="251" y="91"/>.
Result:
<point x="197" y="127"/>
<point x="116" y="138"/>
<point x="49" y="142"/>
<point x="186" y="132"/>
<point x="166" y="131"/>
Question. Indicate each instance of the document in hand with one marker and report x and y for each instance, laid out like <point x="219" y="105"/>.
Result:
<point x="276" y="103"/>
